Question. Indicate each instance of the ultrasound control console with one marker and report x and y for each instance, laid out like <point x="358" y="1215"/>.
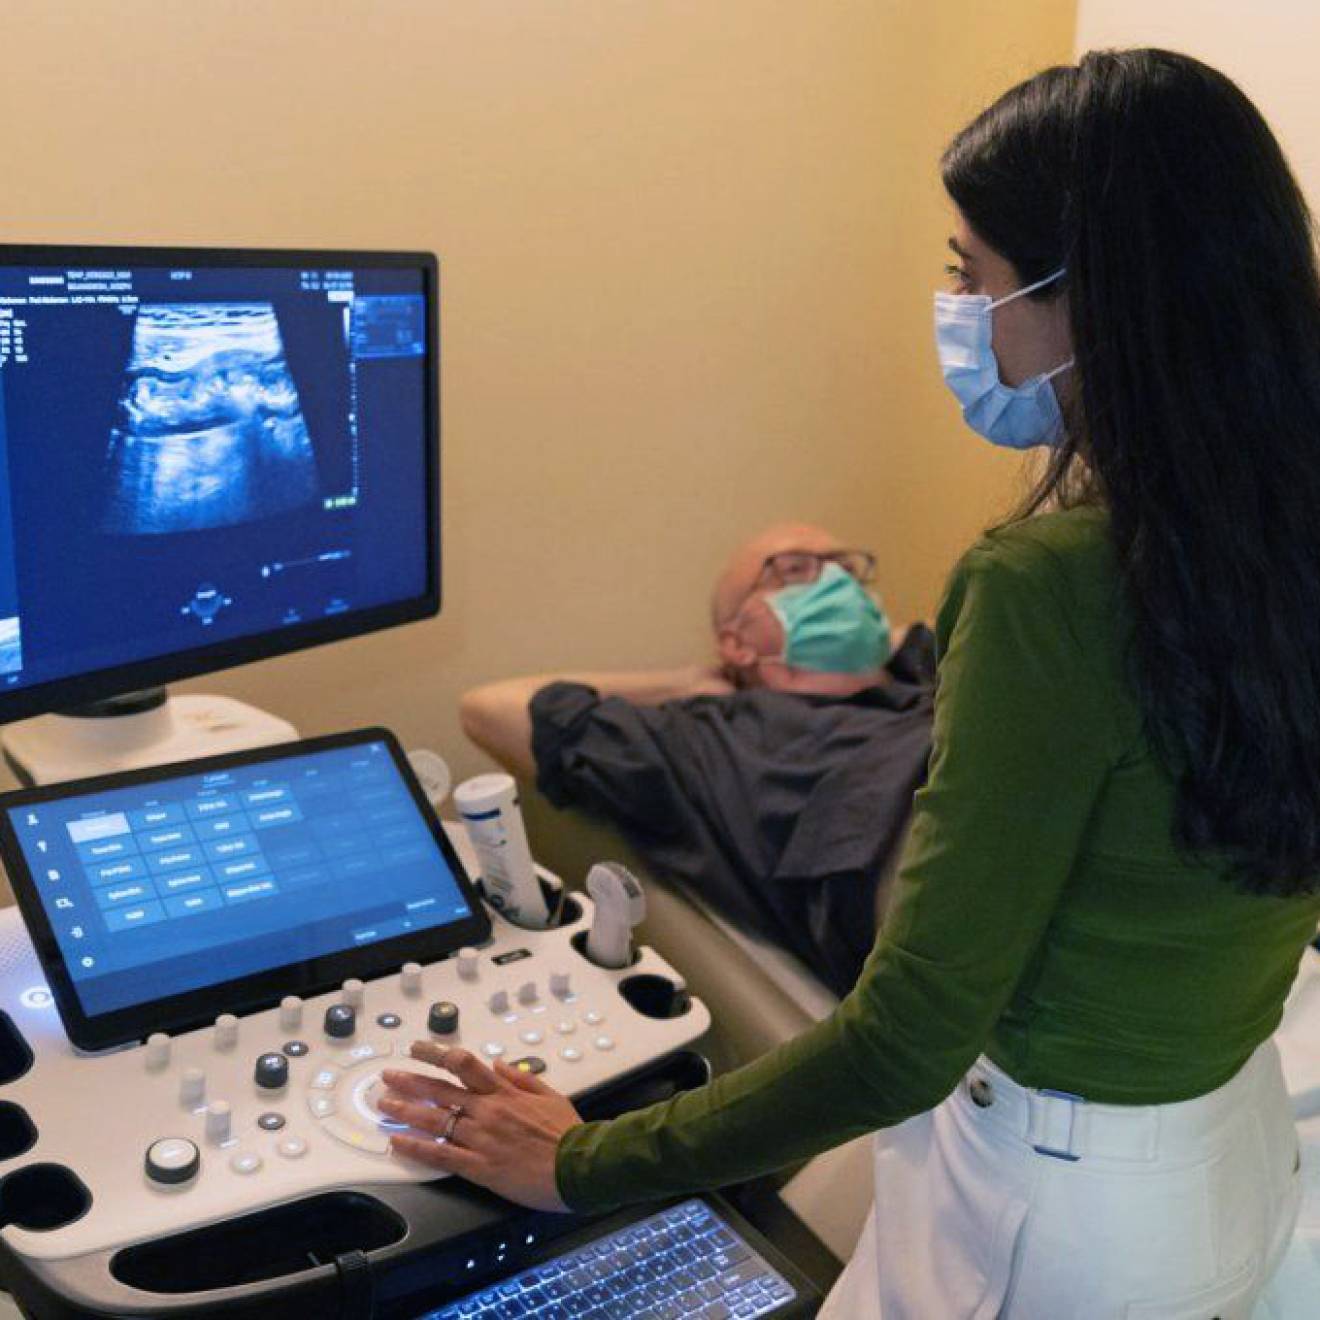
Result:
<point x="209" y="1115"/>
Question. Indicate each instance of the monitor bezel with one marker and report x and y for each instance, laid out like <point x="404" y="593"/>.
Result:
<point x="61" y="694"/>
<point x="247" y="994"/>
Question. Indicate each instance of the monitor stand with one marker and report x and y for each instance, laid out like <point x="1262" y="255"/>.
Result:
<point x="136" y="730"/>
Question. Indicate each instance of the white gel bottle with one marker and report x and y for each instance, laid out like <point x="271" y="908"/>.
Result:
<point x="488" y="807"/>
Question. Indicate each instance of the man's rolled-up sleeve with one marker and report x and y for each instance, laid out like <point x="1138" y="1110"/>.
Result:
<point x="606" y="755"/>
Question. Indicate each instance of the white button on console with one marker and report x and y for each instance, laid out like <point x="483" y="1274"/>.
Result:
<point x="172" y="1160"/>
<point x="369" y="1049"/>
<point x="565" y="1026"/>
<point x="603" y="1043"/>
<point x="192" y="1087"/>
<point x="492" y="1049"/>
<point x="374" y="1141"/>
<point x="321" y="1104"/>
<point x="499" y="1002"/>
<point x="571" y="1053"/>
<point x="467" y="964"/>
<point x="325" y="1080"/>
<point x="531" y="1037"/>
<point x="245" y="1161"/>
<point x="291" y="1013"/>
<point x="593" y="1018"/>
<point x="226" y="1031"/>
<point x="292" y="1148"/>
<point x="410" y="978"/>
<point x="158" y="1050"/>
<point x="353" y="992"/>
<point x="218" y="1121"/>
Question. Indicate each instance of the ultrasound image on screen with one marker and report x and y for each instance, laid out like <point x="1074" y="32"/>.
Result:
<point x="194" y="455"/>
<point x="210" y="432"/>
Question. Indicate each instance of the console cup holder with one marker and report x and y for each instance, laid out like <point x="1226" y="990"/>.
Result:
<point x="15" y="1053"/>
<point x="655" y="996"/>
<point x="42" y="1196"/>
<point x="579" y="942"/>
<point x="16" y="1131"/>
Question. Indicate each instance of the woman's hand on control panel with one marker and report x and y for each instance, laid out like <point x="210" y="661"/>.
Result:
<point x="501" y="1126"/>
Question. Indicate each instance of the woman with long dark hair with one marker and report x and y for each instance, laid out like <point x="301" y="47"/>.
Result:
<point x="1062" y="1035"/>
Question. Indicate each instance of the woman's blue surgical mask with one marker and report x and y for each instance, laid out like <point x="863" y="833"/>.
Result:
<point x="1018" y="417"/>
<point x="832" y="625"/>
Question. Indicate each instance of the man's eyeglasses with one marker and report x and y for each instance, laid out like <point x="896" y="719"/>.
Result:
<point x="790" y="567"/>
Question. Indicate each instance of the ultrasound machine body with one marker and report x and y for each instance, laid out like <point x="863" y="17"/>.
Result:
<point x="209" y="457"/>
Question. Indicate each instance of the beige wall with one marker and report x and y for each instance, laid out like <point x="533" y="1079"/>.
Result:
<point x="688" y="252"/>
<point x="1269" y="49"/>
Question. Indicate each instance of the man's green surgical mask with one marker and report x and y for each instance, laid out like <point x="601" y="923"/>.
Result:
<point x="832" y="625"/>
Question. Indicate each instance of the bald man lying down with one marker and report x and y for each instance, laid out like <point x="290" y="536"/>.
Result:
<point x="777" y="783"/>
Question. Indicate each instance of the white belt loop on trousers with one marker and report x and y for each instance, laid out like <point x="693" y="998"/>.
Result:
<point x="1052" y="1124"/>
<point x="1061" y="1125"/>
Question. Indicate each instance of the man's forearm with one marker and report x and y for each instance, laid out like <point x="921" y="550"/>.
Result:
<point x="496" y="717"/>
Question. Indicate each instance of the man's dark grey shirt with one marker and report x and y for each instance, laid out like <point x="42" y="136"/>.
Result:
<point x="785" y="811"/>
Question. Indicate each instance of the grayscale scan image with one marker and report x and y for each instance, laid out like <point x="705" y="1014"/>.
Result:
<point x="210" y="430"/>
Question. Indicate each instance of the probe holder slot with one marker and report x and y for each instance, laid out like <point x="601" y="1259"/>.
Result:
<point x="579" y="942"/>
<point x="15" y="1053"/>
<point x="565" y="910"/>
<point x="655" y="996"/>
<point x="42" y="1196"/>
<point x="17" y="1132"/>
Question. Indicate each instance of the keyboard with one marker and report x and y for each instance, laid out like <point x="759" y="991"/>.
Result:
<point x="682" y="1262"/>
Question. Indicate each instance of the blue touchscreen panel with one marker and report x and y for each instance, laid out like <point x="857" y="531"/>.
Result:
<point x="165" y="887"/>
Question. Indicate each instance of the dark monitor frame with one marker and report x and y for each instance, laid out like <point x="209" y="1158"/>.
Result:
<point x="82" y="689"/>
<point x="246" y="994"/>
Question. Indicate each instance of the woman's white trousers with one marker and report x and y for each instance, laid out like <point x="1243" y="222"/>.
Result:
<point x="1022" y="1204"/>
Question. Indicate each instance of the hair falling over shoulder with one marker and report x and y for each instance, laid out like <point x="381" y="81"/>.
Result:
<point x="1194" y="303"/>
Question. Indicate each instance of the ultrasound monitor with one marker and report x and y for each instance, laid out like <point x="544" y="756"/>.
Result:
<point x="208" y="457"/>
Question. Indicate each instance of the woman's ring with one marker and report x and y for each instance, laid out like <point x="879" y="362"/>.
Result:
<point x="455" y="1113"/>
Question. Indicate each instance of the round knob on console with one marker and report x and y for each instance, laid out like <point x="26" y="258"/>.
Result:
<point x="340" y="1021"/>
<point x="172" y="1160"/>
<point x="352" y="991"/>
<point x="218" y="1121"/>
<point x="192" y="1087"/>
<point x="527" y="992"/>
<point x="410" y="978"/>
<point x="467" y="963"/>
<point x="226" y="1031"/>
<point x="158" y="1050"/>
<point x="271" y="1071"/>
<point x="560" y="983"/>
<point x="442" y="1020"/>
<point x="290" y="1013"/>
<point x="499" y="1002"/>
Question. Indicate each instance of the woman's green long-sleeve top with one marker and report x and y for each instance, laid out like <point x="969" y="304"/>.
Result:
<point x="1042" y="914"/>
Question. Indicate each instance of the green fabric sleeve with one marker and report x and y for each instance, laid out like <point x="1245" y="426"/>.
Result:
<point x="1022" y="746"/>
